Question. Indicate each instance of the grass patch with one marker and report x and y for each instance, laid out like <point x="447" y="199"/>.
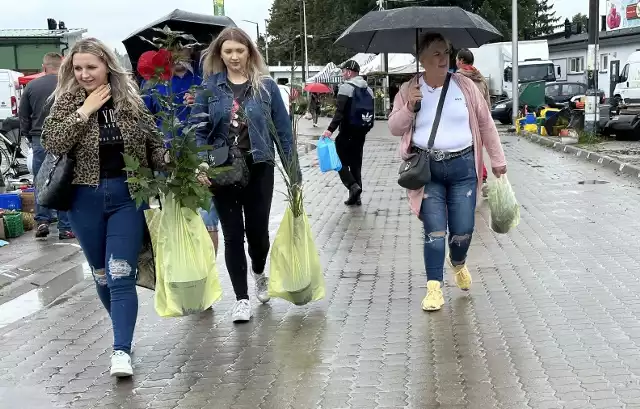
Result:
<point x="589" y="138"/>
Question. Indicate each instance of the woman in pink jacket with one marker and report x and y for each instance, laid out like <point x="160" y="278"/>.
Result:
<point x="448" y="201"/>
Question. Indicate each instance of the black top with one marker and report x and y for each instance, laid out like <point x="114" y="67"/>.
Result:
<point x="111" y="143"/>
<point x="35" y="105"/>
<point x="239" y="130"/>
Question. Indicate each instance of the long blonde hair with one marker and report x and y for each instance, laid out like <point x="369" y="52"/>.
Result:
<point x="124" y="91"/>
<point x="212" y="62"/>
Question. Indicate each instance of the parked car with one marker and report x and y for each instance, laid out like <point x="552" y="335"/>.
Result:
<point x="556" y="93"/>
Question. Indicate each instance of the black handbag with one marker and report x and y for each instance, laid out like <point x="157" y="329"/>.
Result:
<point x="230" y="167"/>
<point x="415" y="172"/>
<point x="54" y="182"/>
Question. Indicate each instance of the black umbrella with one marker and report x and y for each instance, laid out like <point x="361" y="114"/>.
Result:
<point x="395" y="30"/>
<point x="398" y="30"/>
<point x="203" y="27"/>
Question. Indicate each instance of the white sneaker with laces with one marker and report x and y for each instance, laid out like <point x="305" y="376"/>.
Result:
<point x="121" y="364"/>
<point x="262" y="287"/>
<point x="241" y="311"/>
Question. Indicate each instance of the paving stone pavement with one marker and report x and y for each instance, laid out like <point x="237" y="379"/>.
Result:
<point x="550" y="321"/>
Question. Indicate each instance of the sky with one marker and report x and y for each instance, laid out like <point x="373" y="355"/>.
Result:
<point x="113" y="20"/>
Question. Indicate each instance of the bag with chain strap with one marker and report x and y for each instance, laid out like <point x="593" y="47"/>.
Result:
<point x="415" y="172"/>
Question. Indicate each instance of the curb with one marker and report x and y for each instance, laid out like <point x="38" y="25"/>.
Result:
<point x="583" y="154"/>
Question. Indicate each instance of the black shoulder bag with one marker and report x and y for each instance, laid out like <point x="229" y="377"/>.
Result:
<point x="415" y="172"/>
<point x="54" y="180"/>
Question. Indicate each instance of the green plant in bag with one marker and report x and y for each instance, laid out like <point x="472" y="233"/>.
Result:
<point x="504" y="207"/>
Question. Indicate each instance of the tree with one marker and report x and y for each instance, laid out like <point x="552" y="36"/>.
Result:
<point x="545" y="20"/>
<point x="581" y="18"/>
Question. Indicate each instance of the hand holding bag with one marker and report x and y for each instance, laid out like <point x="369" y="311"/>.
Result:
<point x="415" y="172"/>
<point x="54" y="180"/>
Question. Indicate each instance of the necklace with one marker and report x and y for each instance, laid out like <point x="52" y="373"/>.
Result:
<point x="430" y="89"/>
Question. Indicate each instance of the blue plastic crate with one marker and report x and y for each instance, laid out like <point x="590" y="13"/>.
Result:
<point x="10" y="201"/>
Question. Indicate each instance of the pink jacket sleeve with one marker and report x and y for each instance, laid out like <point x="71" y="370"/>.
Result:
<point x="401" y="118"/>
<point x="489" y="132"/>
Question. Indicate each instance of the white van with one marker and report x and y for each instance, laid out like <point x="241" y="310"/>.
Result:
<point x="627" y="89"/>
<point x="9" y="93"/>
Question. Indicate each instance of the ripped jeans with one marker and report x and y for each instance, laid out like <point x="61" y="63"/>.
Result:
<point x="110" y="229"/>
<point x="449" y="201"/>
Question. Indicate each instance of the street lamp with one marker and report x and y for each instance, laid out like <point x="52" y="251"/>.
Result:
<point x="257" y="29"/>
<point x="515" y="91"/>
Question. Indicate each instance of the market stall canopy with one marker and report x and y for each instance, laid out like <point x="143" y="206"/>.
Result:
<point x="361" y="58"/>
<point x="330" y="74"/>
<point x="397" y="64"/>
<point x="204" y="27"/>
<point x="28" y="78"/>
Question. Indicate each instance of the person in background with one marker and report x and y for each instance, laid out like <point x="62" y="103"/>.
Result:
<point x="98" y="112"/>
<point x="354" y="115"/>
<point x="185" y="78"/>
<point x="314" y="107"/>
<point x="464" y="63"/>
<point x="447" y="203"/>
<point x="285" y="93"/>
<point x="34" y="108"/>
<point x="248" y="113"/>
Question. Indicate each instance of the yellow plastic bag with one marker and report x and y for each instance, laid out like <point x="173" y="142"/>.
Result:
<point x="504" y="207"/>
<point x="296" y="274"/>
<point x="186" y="274"/>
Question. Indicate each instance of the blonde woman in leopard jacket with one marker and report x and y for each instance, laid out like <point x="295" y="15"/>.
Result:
<point x="99" y="114"/>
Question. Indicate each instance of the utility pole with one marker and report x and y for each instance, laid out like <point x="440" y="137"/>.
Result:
<point x="266" y="40"/>
<point x="591" y="110"/>
<point x="306" y="49"/>
<point x="385" y="63"/>
<point x="515" y="91"/>
<point x="303" y="40"/>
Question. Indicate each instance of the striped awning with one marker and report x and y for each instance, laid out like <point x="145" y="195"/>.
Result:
<point x="330" y="74"/>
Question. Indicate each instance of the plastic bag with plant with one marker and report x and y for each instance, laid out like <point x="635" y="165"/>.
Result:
<point x="504" y="207"/>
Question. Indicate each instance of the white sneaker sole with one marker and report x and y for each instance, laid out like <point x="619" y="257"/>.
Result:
<point x="121" y="372"/>
<point x="241" y="319"/>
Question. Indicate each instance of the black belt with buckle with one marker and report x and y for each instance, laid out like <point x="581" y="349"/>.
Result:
<point x="440" y="156"/>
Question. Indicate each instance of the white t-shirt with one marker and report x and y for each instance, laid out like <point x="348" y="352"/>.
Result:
<point x="454" y="131"/>
<point x="284" y="93"/>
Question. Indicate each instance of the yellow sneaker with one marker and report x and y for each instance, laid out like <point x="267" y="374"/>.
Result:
<point x="462" y="276"/>
<point x="434" y="300"/>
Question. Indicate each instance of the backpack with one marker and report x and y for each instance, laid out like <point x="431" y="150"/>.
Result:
<point x="361" y="113"/>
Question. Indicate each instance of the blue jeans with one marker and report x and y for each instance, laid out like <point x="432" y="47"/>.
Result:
<point x="210" y="217"/>
<point x="449" y="201"/>
<point x="43" y="214"/>
<point x="110" y="229"/>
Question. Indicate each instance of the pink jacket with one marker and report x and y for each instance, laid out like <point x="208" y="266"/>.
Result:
<point x="482" y="126"/>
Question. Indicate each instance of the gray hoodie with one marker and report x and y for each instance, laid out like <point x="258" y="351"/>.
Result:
<point x="343" y="101"/>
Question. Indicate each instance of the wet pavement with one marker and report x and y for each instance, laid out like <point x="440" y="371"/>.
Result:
<point x="550" y="321"/>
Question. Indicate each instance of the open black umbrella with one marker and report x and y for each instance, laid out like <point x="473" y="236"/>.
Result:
<point x="203" y="27"/>
<point x="396" y="30"/>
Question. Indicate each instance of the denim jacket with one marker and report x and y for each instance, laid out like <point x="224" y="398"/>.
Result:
<point x="215" y="100"/>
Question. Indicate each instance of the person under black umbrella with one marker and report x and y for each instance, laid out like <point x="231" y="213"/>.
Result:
<point x="451" y="128"/>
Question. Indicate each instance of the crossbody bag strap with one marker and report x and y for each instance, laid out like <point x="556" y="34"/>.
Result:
<point x="436" y="120"/>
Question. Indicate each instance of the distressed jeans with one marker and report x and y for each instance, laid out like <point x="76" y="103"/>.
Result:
<point x="449" y="203"/>
<point x="110" y="229"/>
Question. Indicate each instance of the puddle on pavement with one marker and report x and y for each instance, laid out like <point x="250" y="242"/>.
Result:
<point x="42" y="297"/>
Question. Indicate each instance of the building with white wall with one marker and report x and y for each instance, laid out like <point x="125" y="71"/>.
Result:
<point x="569" y="54"/>
<point x="285" y="71"/>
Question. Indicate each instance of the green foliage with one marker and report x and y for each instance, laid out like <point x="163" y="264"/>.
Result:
<point x="183" y="152"/>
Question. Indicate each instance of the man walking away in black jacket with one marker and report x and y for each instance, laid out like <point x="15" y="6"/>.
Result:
<point x="354" y="116"/>
<point x="34" y="108"/>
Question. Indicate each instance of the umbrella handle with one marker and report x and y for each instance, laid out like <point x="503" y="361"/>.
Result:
<point x="417" y="106"/>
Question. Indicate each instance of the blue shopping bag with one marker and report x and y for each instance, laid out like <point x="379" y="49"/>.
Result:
<point x="328" y="156"/>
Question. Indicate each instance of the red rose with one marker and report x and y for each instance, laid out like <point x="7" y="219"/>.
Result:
<point x="145" y="65"/>
<point x="162" y="64"/>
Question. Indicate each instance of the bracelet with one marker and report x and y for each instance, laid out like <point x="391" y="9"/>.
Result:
<point x="82" y="116"/>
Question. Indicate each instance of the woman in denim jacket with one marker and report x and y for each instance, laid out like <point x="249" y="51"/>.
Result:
<point x="242" y="105"/>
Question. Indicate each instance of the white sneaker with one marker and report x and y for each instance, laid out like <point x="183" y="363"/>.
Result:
<point x="121" y="364"/>
<point x="262" y="287"/>
<point x="241" y="311"/>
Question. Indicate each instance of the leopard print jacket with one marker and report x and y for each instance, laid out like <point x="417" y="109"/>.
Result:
<point x="62" y="132"/>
